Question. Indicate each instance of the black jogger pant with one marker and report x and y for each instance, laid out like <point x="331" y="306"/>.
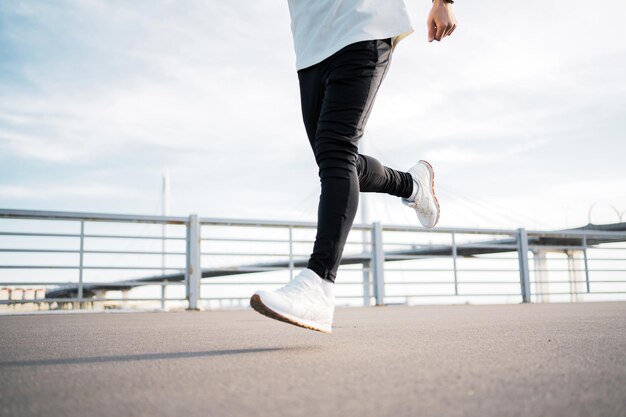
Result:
<point x="337" y="96"/>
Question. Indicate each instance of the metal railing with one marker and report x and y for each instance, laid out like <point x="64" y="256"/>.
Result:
<point x="528" y="265"/>
<point x="89" y="260"/>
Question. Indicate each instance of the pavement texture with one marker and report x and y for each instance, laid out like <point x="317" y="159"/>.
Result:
<point x="512" y="360"/>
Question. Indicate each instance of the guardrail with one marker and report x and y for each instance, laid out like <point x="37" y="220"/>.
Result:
<point x="88" y="259"/>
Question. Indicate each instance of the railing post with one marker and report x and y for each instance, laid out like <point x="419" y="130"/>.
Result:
<point x="522" y="255"/>
<point x="80" y="264"/>
<point x="291" y="264"/>
<point x="366" y="283"/>
<point x="454" y="256"/>
<point x="193" y="273"/>
<point x="378" y="263"/>
<point x="586" y="264"/>
<point x="163" y="293"/>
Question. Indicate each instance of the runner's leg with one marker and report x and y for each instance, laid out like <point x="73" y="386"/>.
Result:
<point x="375" y="177"/>
<point x="337" y="96"/>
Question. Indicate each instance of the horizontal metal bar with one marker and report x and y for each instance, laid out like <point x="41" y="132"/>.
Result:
<point x="91" y="217"/>
<point x="483" y="257"/>
<point x="37" y="267"/>
<point x="497" y="269"/>
<point x="591" y="281"/>
<point x="97" y="236"/>
<point x="134" y="283"/>
<point x="579" y="293"/>
<point x="356" y="226"/>
<point x="465" y="246"/>
<point x="389" y="257"/>
<point x="412" y="244"/>
<point x="417" y="257"/>
<point x="447" y="230"/>
<point x="243" y="283"/>
<point x="14" y="283"/>
<point x="112" y="252"/>
<point x="450" y="270"/>
<point x="477" y="257"/>
<point x="116" y="283"/>
<point x="120" y="252"/>
<point x="222" y="298"/>
<point x="359" y="296"/>
<point x="209" y="283"/>
<point x="107" y="217"/>
<point x="205" y="221"/>
<point x="205" y="283"/>
<point x="250" y="254"/>
<point x="449" y="282"/>
<point x="253" y="269"/>
<point x="253" y="240"/>
<point x="578" y="270"/>
<point x="533" y="233"/>
<point x="452" y="295"/>
<point x="84" y="300"/>
<point x="141" y="268"/>
<point x="40" y="234"/>
<point x="235" y="239"/>
<point x="510" y="248"/>
<point x="3" y="250"/>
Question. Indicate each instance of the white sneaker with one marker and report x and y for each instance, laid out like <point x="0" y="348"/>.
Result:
<point x="423" y="199"/>
<point x="307" y="301"/>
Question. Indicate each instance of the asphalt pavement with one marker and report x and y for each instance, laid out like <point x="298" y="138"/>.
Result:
<point x="506" y="360"/>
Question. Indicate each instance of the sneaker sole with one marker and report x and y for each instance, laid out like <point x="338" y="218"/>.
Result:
<point x="257" y="304"/>
<point x="432" y="188"/>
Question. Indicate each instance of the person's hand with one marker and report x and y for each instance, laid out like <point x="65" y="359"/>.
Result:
<point x="441" y="21"/>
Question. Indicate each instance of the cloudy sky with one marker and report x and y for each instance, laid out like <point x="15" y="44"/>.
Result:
<point x="522" y="112"/>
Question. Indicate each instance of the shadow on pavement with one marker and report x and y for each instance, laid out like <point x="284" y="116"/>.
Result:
<point x="138" y="357"/>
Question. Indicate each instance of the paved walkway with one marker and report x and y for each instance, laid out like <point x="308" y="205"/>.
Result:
<point x="515" y="360"/>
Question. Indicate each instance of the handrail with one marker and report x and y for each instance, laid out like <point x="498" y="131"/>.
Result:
<point x="95" y="217"/>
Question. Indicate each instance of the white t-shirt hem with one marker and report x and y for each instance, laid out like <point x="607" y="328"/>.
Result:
<point x="335" y="47"/>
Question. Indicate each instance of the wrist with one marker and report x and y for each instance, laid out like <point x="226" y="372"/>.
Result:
<point x="440" y="2"/>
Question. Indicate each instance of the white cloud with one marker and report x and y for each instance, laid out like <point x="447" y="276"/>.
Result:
<point x="58" y="192"/>
<point x="39" y="148"/>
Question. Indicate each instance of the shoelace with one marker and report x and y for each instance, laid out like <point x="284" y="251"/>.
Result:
<point x="421" y="208"/>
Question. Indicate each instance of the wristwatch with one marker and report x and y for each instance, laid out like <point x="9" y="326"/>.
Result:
<point x="446" y="1"/>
